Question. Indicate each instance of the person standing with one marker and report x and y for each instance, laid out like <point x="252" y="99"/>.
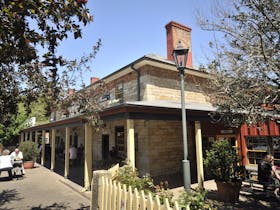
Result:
<point x="80" y="154"/>
<point x="73" y="155"/>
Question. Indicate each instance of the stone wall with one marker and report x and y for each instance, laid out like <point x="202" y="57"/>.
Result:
<point x="162" y="84"/>
<point x="165" y="147"/>
<point x="142" y="146"/>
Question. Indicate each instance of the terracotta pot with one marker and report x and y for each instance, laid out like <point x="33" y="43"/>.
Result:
<point x="228" y="191"/>
<point x="28" y="164"/>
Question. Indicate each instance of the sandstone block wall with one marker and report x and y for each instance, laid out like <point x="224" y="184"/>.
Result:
<point x="166" y="147"/>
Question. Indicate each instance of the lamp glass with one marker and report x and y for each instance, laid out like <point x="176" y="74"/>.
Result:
<point x="180" y="55"/>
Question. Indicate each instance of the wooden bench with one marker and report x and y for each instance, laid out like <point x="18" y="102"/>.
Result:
<point x="9" y="170"/>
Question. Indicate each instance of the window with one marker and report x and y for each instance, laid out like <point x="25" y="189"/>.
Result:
<point x="119" y="92"/>
<point x="258" y="147"/>
<point x="105" y="97"/>
<point x="206" y="144"/>
<point x="231" y="139"/>
<point x="120" y="144"/>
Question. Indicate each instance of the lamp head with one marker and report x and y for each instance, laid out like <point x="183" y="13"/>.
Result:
<point x="180" y="55"/>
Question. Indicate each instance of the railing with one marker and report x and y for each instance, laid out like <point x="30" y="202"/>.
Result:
<point x="114" y="196"/>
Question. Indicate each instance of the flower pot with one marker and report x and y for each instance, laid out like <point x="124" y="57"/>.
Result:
<point x="228" y="191"/>
<point x="28" y="164"/>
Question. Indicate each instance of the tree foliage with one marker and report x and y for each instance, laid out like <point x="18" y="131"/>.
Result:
<point x="30" y="66"/>
<point x="246" y="61"/>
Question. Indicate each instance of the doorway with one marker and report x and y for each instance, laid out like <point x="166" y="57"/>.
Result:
<point x="105" y="147"/>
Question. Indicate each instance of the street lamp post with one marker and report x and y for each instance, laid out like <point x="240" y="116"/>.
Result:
<point x="180" y="55"/>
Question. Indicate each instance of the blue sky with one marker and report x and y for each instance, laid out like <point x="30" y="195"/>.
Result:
<point x="130" y="29"/>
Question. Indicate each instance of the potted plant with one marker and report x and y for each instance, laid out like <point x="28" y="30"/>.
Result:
<point x="30" y="152"/>
<point x="224" y="166"/>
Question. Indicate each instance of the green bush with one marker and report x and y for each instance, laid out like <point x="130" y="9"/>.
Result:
<point x="196" y="200"/>
<point x="129" y="177"/>
<point x="222" y="162"/>
<point x="29" y="149"/>
<point x="163" y="192"/>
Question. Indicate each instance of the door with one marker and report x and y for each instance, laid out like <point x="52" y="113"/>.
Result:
<point x="105" y="147"/>
<point x="120" y="144"/>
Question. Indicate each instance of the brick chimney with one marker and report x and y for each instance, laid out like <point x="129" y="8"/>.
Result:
<point x="176" y="32"/>
<point x="93" y="80"/>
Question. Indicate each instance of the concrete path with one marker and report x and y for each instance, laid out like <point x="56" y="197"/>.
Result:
<point x="41" y="189"/>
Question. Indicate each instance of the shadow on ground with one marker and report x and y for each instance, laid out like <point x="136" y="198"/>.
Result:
<point x="7" y="196"/>
<point x="251" y="199"/>
<point x="56" y="206"/>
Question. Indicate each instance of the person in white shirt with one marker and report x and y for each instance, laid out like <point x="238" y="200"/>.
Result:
<point x="6" y="162"/>
<point x="73" y="154"/>
<point x="17" y="158"/>
<point x="17" y="155"/>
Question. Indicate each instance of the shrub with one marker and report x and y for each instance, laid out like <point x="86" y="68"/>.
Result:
<point x="163" y="192"/>
<point x="222" y="162"/>
<point x="129" y="177"/>
<point x="196" y="200"/>
<point x="29" y="149"/>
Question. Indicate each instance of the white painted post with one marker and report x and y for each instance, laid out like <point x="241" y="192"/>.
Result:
<point x="67" y="147"/>
<point x="26" y="136"/>
<point x="53" y="150"/>
<point x="30" y="136"/>
<point x="36" y="137"/>
<point x="88" y="156"/>
<point x="43" y="148"/>
<point x="199" y="155"/>
<point x="129" y="198"/>
<point x="130" y="143"/>
<point x="135" y="197"/>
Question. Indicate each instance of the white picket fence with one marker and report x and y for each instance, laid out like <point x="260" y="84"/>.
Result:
<point x="113" y="196"/>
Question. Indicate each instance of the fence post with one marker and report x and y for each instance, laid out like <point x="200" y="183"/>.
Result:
<point x="94" y="188"/>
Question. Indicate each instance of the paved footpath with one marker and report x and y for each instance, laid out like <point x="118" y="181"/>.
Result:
<point x="41" y="189"/>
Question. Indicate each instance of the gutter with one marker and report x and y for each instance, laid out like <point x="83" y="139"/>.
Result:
<point x="138" y="81"/>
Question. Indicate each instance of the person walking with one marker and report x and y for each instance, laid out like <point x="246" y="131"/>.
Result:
<point x="268" y="176"/>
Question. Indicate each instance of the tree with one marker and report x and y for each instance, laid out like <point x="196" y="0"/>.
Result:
<point x="246" y="64"/>
<point x="9" y="134"/>
<point x="30" y="32"/>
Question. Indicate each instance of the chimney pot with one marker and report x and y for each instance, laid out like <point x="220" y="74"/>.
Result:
<point x="70" y="91"/>
<point x="93" y="80"/>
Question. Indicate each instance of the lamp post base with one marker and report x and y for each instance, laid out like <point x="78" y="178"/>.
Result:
<point x="186" y="174"/>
